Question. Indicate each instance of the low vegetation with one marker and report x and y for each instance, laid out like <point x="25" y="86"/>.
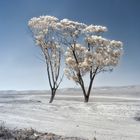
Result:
<point x="137" y="117"/>
<point x="30" y="134"/>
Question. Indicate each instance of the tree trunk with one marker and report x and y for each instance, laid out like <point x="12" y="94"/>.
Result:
<point x="86" y="99"/>
<point x="89" y="90"/>
<point x="52" y="96"/>
<point x="90" y="86"/>
<point x="84" y="92"/>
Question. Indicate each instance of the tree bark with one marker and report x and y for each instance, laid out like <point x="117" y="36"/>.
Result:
<point x="52" y="96"/>
<point x="90" y="85"/>
<point x="86" y="99"/>
<point x="89" y="89"/>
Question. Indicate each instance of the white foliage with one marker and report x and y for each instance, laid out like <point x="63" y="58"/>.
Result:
<point x="44" y="29"/>
<point x="95" y="29"/>
<point x="86" y="49"/>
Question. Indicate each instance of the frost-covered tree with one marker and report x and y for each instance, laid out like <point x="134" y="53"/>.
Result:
<point x="88" y="53"/>
<point x="46" y="37"/>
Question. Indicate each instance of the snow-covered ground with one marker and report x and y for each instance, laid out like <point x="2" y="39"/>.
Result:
<point x="111" y="114"/>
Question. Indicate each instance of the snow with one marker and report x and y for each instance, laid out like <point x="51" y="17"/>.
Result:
<point x="110" y="114"/>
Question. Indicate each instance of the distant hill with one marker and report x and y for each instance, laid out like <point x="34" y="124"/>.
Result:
<point x="133" y="90"/>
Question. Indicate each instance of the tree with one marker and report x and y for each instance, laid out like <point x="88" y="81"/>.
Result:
<point x="46" y="37"/>
<point x="88" y="53"/>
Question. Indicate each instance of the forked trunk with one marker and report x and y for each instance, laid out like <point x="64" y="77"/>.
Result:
<point x="90" y="87"/>
<point x="86" y="99"/>
<point x="52" y="96"/>
<point x="87" y="93"/>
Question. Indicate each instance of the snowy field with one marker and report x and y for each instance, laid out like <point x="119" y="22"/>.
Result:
<point x="111" y="114"/>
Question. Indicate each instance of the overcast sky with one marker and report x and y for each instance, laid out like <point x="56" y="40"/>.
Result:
<point x="20" y="64"/>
